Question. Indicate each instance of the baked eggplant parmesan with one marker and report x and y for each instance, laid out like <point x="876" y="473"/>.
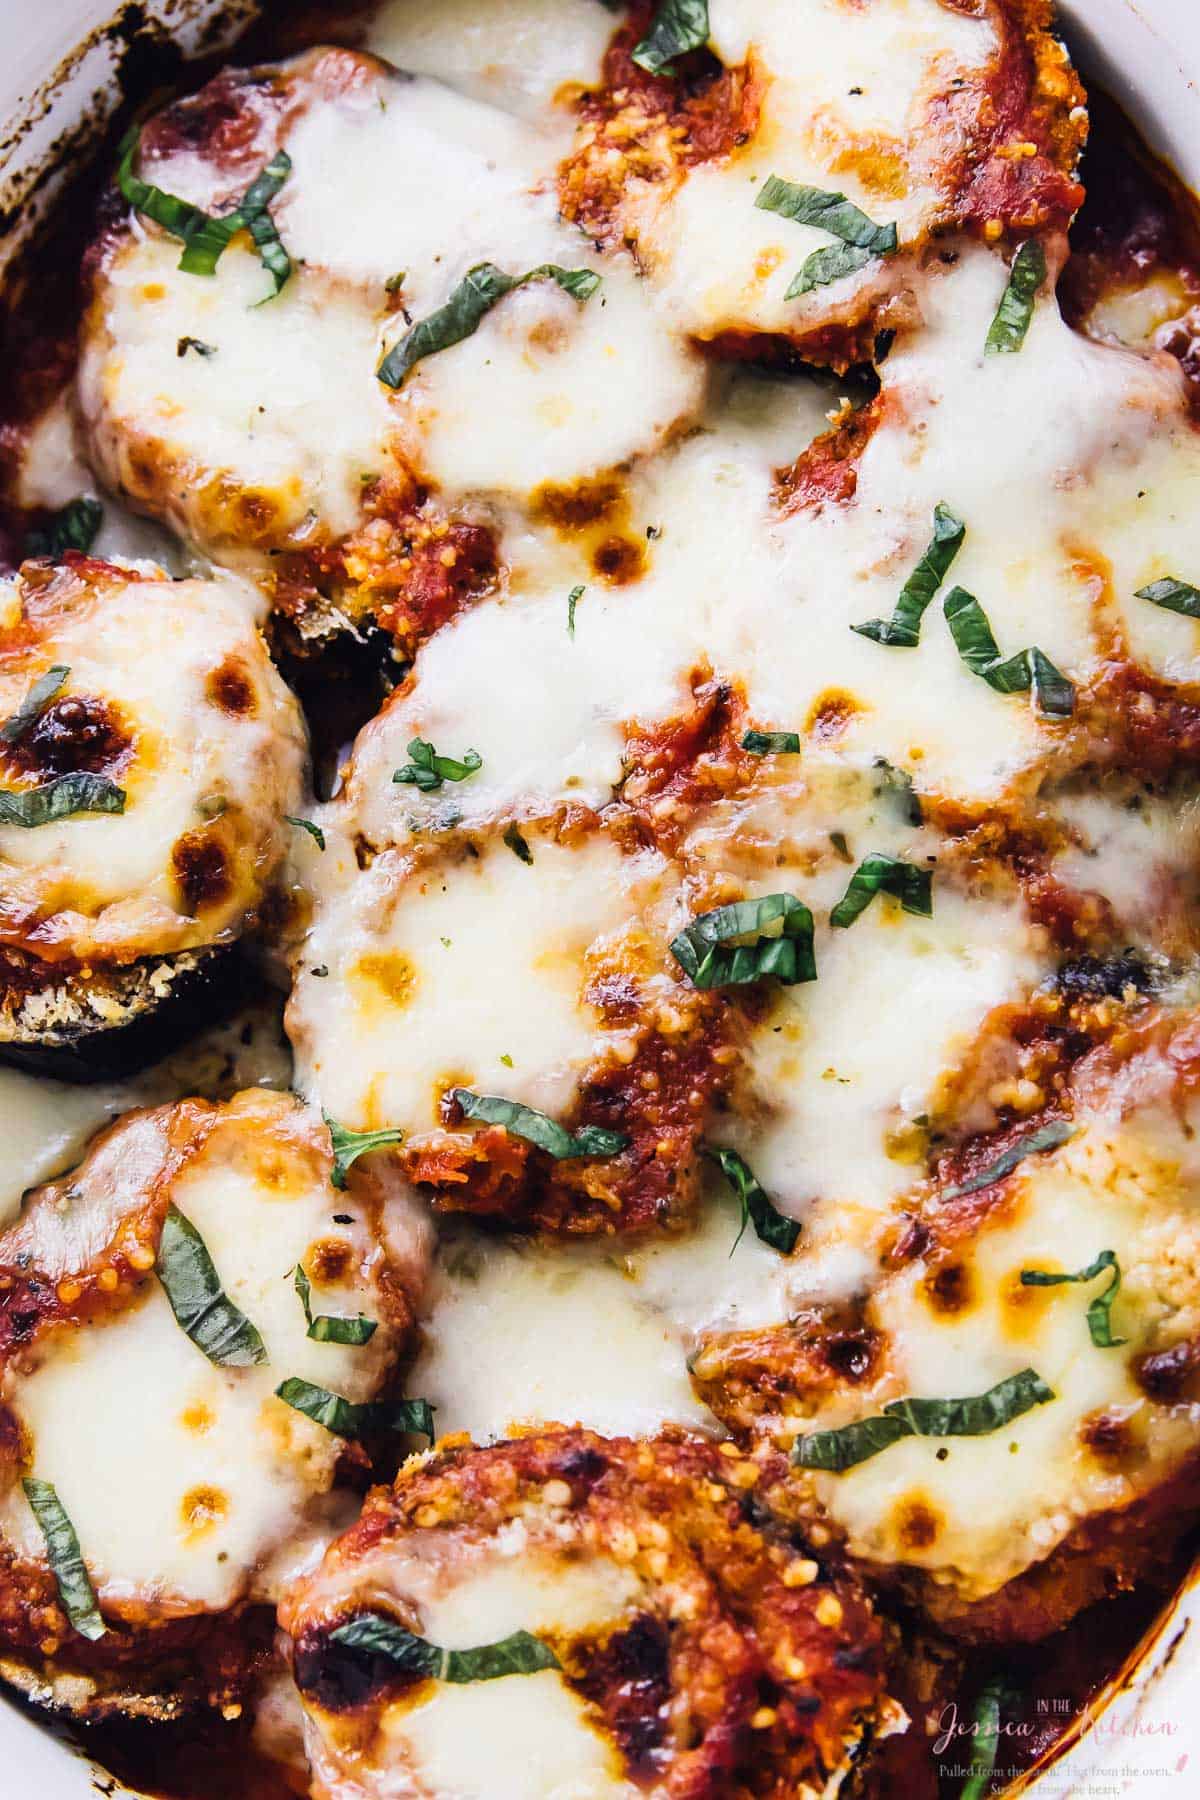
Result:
<point x="205" y="1248"/>
<point x="611" y="1595"/>
<point x="151" y="755"/>
<point x="705" y="1284"/>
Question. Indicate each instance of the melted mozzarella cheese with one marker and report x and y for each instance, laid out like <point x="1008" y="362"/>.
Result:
<point x="445" y="1743"/>
<point x="196" y="438"/>
<point x="180" y="1502"/>
<point x="839" y="1074"/>
<point x="287" y="406"/>
<point x="457" y="973"/>
<point x="847" y="93"/>
<point x="150" y="651"/>
<point x="527" y="1738"/>
<point x="520" y="55"/>
<point x="1006" y="1499"/>
<point x="581" y="1344"/>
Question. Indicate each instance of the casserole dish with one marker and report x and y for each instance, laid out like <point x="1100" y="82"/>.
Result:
<point x="1146" y="56"/>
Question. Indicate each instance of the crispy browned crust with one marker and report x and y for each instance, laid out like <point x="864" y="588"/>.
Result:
<point x="635" y="126"/>
<point x="748" y="1671"/>
<point x="660" y="1100"/>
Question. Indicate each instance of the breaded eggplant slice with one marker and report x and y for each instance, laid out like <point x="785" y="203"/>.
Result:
<point x="194" y="1492"/>
<point x="328" y="500"/>
<point x="149" y="755"/>
<point x="890" y="124"/>
<point x="526" y="966"/>
<point x="665" y="1645"/>
<point x="1054" y="1267"/>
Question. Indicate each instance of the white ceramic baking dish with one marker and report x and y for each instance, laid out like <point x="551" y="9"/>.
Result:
<point x="58" y="66"/>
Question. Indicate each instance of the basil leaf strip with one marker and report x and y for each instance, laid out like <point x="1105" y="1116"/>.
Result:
<point x="976" y="1415"/>
<point x="74" y="1585"/>
<point x="517" y="842"/>
<point x="61" y="798"/>
<point x="770" y="1226"/>
<point x="1099" y="1312"/>
<point x="374" y="1418"/>
<point x="573" y="598"/>
<point x="471" y="301"/>
<point x="203" y="236"/>
<point x="377" y="1635"/>
<point x="825" y="266"/>
<point x="314" y="831"/>
<point x="832" y="212"/>
<point x="72" y="527"/>
<point x="34" y="704"/>
<point x="326" y="1329"/>
<point x="1006" y="333"/>
<point x="1028" y="669"/>
<point x="903" y="630"/>
<point x="348" y="1146"/>
<point x="704" y="953"/>
<point x="985" y="1737"/>
<point x="677" y="27"/>
<point x="1176" y="596"/>
<point x="428" y="770"/>
<point x="201" y="1306"/>
<point x="537" y="1128"/>
<point x="879" y="874"/>
<point x="772" y="743"/>
<point x="1046" y="1137"/>
<point x="261" y="226"/>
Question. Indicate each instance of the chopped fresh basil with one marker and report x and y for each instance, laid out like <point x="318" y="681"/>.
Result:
<point x="325" y="1329"/>
<point x="374" y="1418"/>
<point x="200" y="1304"/>
<point x="194" y="343"/>
<point x="879" y="874"/>
<point x="758" y="1209"/>
<point x="861" y="239"/>
<point x="74" y="1585"/>
<point x="377" y="1635"/>
<point x="573" y="598"/>
<point x="61" y="798"/>
<point x="985" y="1736"/>
<point x="314" y="831"/>
<point x="1046" y="1137"/>
<point x="1173" y="594"/>
<point x="34" y="704"/>
<point x="204" y="237"/>
<point x="72" y="527"/>
<point x="428" y="770"/>
<point x="537" y="1128"/>
<point x="704" y="952"/>
<point x="975" y="1415"/>
<point x="1015" y="311"/>
<point x="903" y="629"/>
<point x="772" y="743"/>
<point x="677" y="27"/>
<point x="471" y="301"/>
<point x="830" y="211"/>
<point x="1099" y="1312"/>
<point x="830" y="264"/>
<point x="1028" y="669"/>
<point x="517" y="843"/>
<point x="258" y="221"/>
<point x="348" y="1146"/>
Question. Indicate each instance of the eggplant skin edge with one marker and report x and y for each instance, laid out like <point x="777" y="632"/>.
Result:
<point x="149" y="1008"/>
